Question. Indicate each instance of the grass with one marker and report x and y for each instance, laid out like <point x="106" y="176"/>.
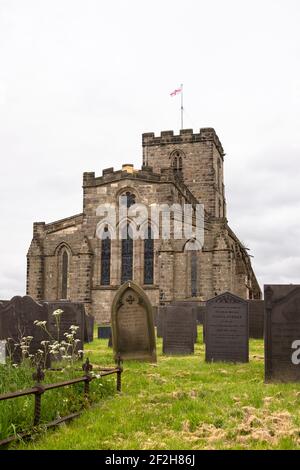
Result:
<point x="184" y="403"/>
<point x="16" y="415"/>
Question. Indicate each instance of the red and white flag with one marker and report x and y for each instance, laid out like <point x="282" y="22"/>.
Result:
<point x="175" y="92"/>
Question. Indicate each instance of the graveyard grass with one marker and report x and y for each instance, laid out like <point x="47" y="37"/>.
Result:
<point x="184" y="403"/>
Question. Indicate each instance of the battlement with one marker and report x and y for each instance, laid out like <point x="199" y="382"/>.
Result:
<point x="128" y="171"/>
<point x="207" y="134"/>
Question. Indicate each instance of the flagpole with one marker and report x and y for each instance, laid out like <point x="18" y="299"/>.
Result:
<point x="181" y="109"/>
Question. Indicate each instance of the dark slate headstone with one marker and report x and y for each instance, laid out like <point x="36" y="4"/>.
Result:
<point x="110" y="343"/>
<point x="17" y="318"/>
<point x="193" y="307"/>
<point x="155" y="313"/>
<point x="179" y="330"/>
<point x="160" y="321"/>
<point x="73" y="314"/>
<point x="89" y="328"/>
<point x="132" y="324"/>
<point x="104" y="332"/>
<point x="282" y="333"/>
<point x="227" y="329"/>
<point x="256" y="318"/>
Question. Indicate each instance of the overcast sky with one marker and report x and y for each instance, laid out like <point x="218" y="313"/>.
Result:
<point x="81" y="80"/>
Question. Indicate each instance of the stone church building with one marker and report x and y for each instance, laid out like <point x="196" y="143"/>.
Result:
<point x="67" y="260"/>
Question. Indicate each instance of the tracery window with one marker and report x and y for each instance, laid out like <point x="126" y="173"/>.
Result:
<point x="126" y="256"/>
<point x="194" y="273"/>
<point x="105" y="258"/>
<point x="65" y="275"/>
<point x="149" y="257"/>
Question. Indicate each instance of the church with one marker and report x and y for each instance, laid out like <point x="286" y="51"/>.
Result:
<point x="67" y="260"/>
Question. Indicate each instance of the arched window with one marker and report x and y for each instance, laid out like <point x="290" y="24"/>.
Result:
<point x="126" y="256"/>
<point x="128" y="198"/>
<point x="105" y="258"/>
<point x="194" y="273"/>
<point x="149" y="257"/>
<point x="65" y="275"/>
<point x="177" y="162"/>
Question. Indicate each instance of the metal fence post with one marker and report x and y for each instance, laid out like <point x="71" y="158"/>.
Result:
<point x="38" y="377"/>
<point x="87" y="367"/>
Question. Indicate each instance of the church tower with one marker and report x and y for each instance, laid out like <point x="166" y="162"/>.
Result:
<point x="195" y="158"/>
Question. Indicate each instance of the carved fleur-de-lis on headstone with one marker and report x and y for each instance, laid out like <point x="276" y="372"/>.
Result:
<point x="130" y="299"/>
<point x="39" y="375"/>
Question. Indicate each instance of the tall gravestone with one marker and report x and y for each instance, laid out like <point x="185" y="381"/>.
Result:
<point x="282" y="333"/>
<point x="179" y="330"/>
<point x="227" y="329"/>
<point x="256" y="318"/>
<point x="89" y="328"/>
<point x="160" y="321"/>
<point x="17" y="318"/>
<point x="132" y="324"/>
<point x="73" y="314"/>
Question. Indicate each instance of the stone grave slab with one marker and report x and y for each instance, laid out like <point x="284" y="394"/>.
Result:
<point x="179" y="330"/>
<point x="282" y="333"/>
<point x="132" y="324"/>
<point x="227" y="329"/>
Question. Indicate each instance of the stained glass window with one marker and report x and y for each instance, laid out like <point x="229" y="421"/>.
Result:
<point x="105" y="260"/>
<point x="127" y="257"/>
<point x="148" y="258"/>
<point x="65" y="275"/>
<point x="194" y="273"/>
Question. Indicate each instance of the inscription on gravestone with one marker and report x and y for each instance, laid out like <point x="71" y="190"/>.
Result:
<point x="226" y="329"/>
<point x="132" y="324"/>
<point x="282" y="332"/>
<point x="179" y="330"/>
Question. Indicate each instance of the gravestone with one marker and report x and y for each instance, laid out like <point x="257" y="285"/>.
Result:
<point x="89" y="328"/>
<point x="132" y="324"/>
<point x="2" y="351"/>
<point x="193" y="307"/>
<point x="110" y="343"/>
<point x="73" y="314"/>
<point x="155" y="313"/>
<point x="17" y="318"/>
<point x="104" y="332"/>
<point x="160" y="321"/>
<point x="227" y="329"/>
<point x="256" y="318"/>
<point x="179" y="330"/>
<point x="282" y="333"/>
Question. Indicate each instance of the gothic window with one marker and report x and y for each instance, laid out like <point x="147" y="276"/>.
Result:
<point x="194" y="273"/>
<point x="130" y="199"/>
<point x="148" y="257"/>
<point x="177" y="162"/>
<point x="105" y="259"/>
<point x="65" y="275"/>
<point x="127" y="256"/>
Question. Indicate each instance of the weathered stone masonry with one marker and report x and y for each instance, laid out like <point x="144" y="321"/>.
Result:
<point x="64" y="258"/>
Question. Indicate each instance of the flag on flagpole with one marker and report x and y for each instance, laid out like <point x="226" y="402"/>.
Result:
<point x="176" y="91"/>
